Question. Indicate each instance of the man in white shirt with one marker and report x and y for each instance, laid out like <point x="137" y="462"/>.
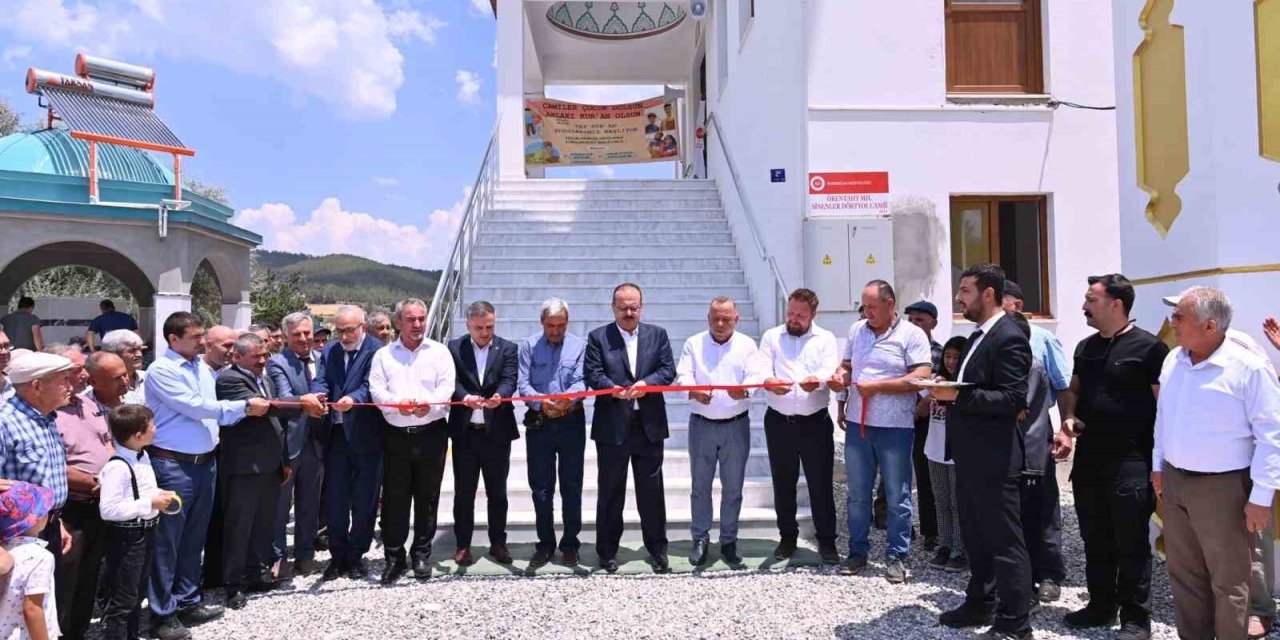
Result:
<point x="416" y="373"/>
<point x="881" y="358"/>
<point x="797" y="426"/>
<point x="1216" y="463"/>
<point x="719" y="424"/>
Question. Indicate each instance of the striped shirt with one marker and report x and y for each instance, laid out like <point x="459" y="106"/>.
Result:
<point x="31" y="449"/>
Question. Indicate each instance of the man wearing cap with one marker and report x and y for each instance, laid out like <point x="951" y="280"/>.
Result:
<point x="923" y="314"/>
<point x="1044" y="345"/>
<point x="30" y="447"/>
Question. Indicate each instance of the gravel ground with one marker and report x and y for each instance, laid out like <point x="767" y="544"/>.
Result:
<point x="792" y="603"/>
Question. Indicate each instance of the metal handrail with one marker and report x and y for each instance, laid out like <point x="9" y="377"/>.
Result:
<point x="449" y="288"/>
<point x="780" y="286"/>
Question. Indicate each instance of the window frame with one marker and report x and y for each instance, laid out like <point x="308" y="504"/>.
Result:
<point x="1032" y="47"/>
<point x="993" y="223"/>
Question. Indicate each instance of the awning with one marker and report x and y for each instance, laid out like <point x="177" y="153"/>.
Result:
<point x="103" y="119"/>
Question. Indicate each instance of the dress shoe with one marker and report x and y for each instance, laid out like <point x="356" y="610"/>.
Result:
<point x="170" y="628"/>
<point x="729" y="553"/>
<point x="500" y="554"/>
<point x="698" y="556"/>
<point x="966" y="616"/>
<point x="421" y="568"/>
<point x="660" y="564"/>
<point x="1140" y="631"/>
<point x="332" y="572"/>
<point x="540" y="558"/>
<point x="940" y="559"/>
<point x="1089" y="617"/>
<point x="463" y="558"/>
<point x="200" y="614"/>
<point x="236" y="599"/>
<point x="827" y="551"/>
<point x="610" y="565"/>
<point x="359" y="570"/>
<point x="993" y="634"/>
<point x="569" y="558"/>
<point x="394" y="569"/>
<point x="785" y="548"/>
<point x="853" y="565"/>
<point x="322" y="542"/>
<point x="262" y="585"/>
<point x="1049" y="591"/>
<point x="305" y="566"/>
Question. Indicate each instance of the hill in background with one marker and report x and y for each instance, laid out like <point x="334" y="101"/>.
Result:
<point x="351" y="279"/>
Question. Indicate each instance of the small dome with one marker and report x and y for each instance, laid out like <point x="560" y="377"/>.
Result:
<point x="55" y="152"/>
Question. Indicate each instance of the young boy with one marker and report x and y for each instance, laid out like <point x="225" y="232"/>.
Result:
<point x="130" y="504"/>
<point x="28" y="610"/>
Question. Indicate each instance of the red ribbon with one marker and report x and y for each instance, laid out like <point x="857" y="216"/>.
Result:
<point x="590" y="393"/>
<point x="862" y="421"/>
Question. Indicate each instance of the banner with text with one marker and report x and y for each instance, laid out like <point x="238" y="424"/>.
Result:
<point x="845" y="192"/>
<point x="566" y="133"/>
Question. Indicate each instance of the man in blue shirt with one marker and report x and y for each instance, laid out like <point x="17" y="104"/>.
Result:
<point x="108" y="321"/>
<point x="550" y="363"/>
<point x="1044" y="345"/>
<point x="181" y="393"/>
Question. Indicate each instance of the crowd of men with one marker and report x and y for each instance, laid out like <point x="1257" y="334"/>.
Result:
<point x="353" y="433"/>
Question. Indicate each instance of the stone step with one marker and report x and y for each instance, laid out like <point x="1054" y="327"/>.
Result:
<point x="708" y="280"/>
<point x="591" y="227"/>
<point x="675" y="464"/>
<point x="646" y="216"/>
<point x="677" y="417"/>
<point x="580" y="294"/>
<point x="577" y="185"/>
<point x="677" y="328"/>
<point x="755" y="523"/>
<point x="530" y="309"/>
<point x="507" y="194"/>
<point x="688" y="205"/>
<point x="621" y="255"/>
<point x="658" y="239"/>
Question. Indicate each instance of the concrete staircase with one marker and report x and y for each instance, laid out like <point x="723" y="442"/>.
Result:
<point x="577" y="240"/>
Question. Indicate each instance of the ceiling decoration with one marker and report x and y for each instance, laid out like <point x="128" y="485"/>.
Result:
<point x="616" y="20"/>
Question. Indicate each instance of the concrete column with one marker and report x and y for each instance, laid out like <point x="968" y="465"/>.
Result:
<point x="510" y="92"/>
<point x="146" y="319"/>
<point x="166" y="305"/>
<point x="238" y="316"/>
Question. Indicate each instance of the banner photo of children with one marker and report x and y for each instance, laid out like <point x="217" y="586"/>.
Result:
<point x="567" y="133"/>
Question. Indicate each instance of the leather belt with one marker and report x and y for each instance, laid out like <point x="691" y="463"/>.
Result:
<point x="1204" y="474"/>
<point x="722" y="420"/>
<point x="804" y="418"/>
<point x="139" y="523"/>
<point x="419" y="428"/>
<point x="198" y="458"/>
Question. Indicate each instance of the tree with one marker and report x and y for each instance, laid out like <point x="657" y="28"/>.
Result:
<point x="9" y="120"/>
<point x="206" y="296"/>
<point x="74" y="281"/>
<point x="210" y="191"/>
<point x="275" y="297"/>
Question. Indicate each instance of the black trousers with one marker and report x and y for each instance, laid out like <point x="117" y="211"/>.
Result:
<point x="248" y="523"/>
<point x="645" y="460"/>
<point x="413" y="466"/>
<point x="1042" y="525"/>
<point x="925" y="509"/>
<point x="477" y="454"/>
<point x="52" y="535"/>
<point x="79" y="585"/>
<point x="991" y="527"/>
<point x="793" y="442"/>
<point x="1115" y="514"/>
<point x="127" y="553"/>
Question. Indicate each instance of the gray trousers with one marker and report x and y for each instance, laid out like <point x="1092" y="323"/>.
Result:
<point x="1261" y="602"/>
<point x="1209" y="552"/>
<point x="726" y="444"/>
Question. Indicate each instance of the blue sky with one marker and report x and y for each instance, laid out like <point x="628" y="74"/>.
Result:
<point x="335" y="125"/>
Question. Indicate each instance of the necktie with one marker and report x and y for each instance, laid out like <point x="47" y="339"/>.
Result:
<point x="351" y="355"/>
<point x="306" y="369"/>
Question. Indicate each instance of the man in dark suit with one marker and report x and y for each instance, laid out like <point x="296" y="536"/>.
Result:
<point x="353" y="448"/>
<point x="984" y="440"/>
<point x="251" y="466"/>
<point x="291" y="371"/>
<point x="482" y="431"/>
<point x="630" y="425"/>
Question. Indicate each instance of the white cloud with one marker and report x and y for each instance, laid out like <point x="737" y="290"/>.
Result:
<point x="468" y="86"/>
<point x="383" y="181"/>
<point x="344" y="52"/>
<point x="481" y="9"/>
<point x="14" y="54"/>
<point x="332" y="229"/>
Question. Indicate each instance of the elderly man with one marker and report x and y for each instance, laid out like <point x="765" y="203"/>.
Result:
<point x="881" y="358"/>
<point x="30" y="448"/>
<point x="630" y="425"/>
<point x="353" y="442"/>
<point x="719" y="423"/>
<point x="126" y="344"/>
<point x="181" y="394"/>
<point x="482" y="430"/>
<point x="82" y="424"/>
<point x="418" y="374"/>
<point x="380" y="326"/>
<point x="292" y="371"/>
<point x="6" y="351"/>
<point x="1216" y="463"/>
<point x="555" y="430"/>
<point x="252" y="464"/>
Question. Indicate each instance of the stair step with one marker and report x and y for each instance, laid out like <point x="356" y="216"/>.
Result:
<point x="579" y="294"/>
<point x="620" y="254"/>
<point x="752" y="523"/>
<point x="602" y="239"/>
<point x="677" y="328"/>
<point x="576" y="185"/>
<point x="592" y="227"/>
<point x="665" y="204"/>
<point x="756" y="493"/>
<point x="553" y="277"/>
<point x="531" y="309"/>
<point x="646" y="216"/>
<point x="507" y="194"/>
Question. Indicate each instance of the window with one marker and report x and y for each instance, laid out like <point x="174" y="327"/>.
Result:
<point x="1010" y="231"/>
<point x="993" y="46"/>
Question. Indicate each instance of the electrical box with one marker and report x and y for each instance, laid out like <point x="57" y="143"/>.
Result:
<point x="841" y="255"/>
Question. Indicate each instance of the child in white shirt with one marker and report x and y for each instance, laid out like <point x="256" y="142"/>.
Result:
<point x="27" y="610"/>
